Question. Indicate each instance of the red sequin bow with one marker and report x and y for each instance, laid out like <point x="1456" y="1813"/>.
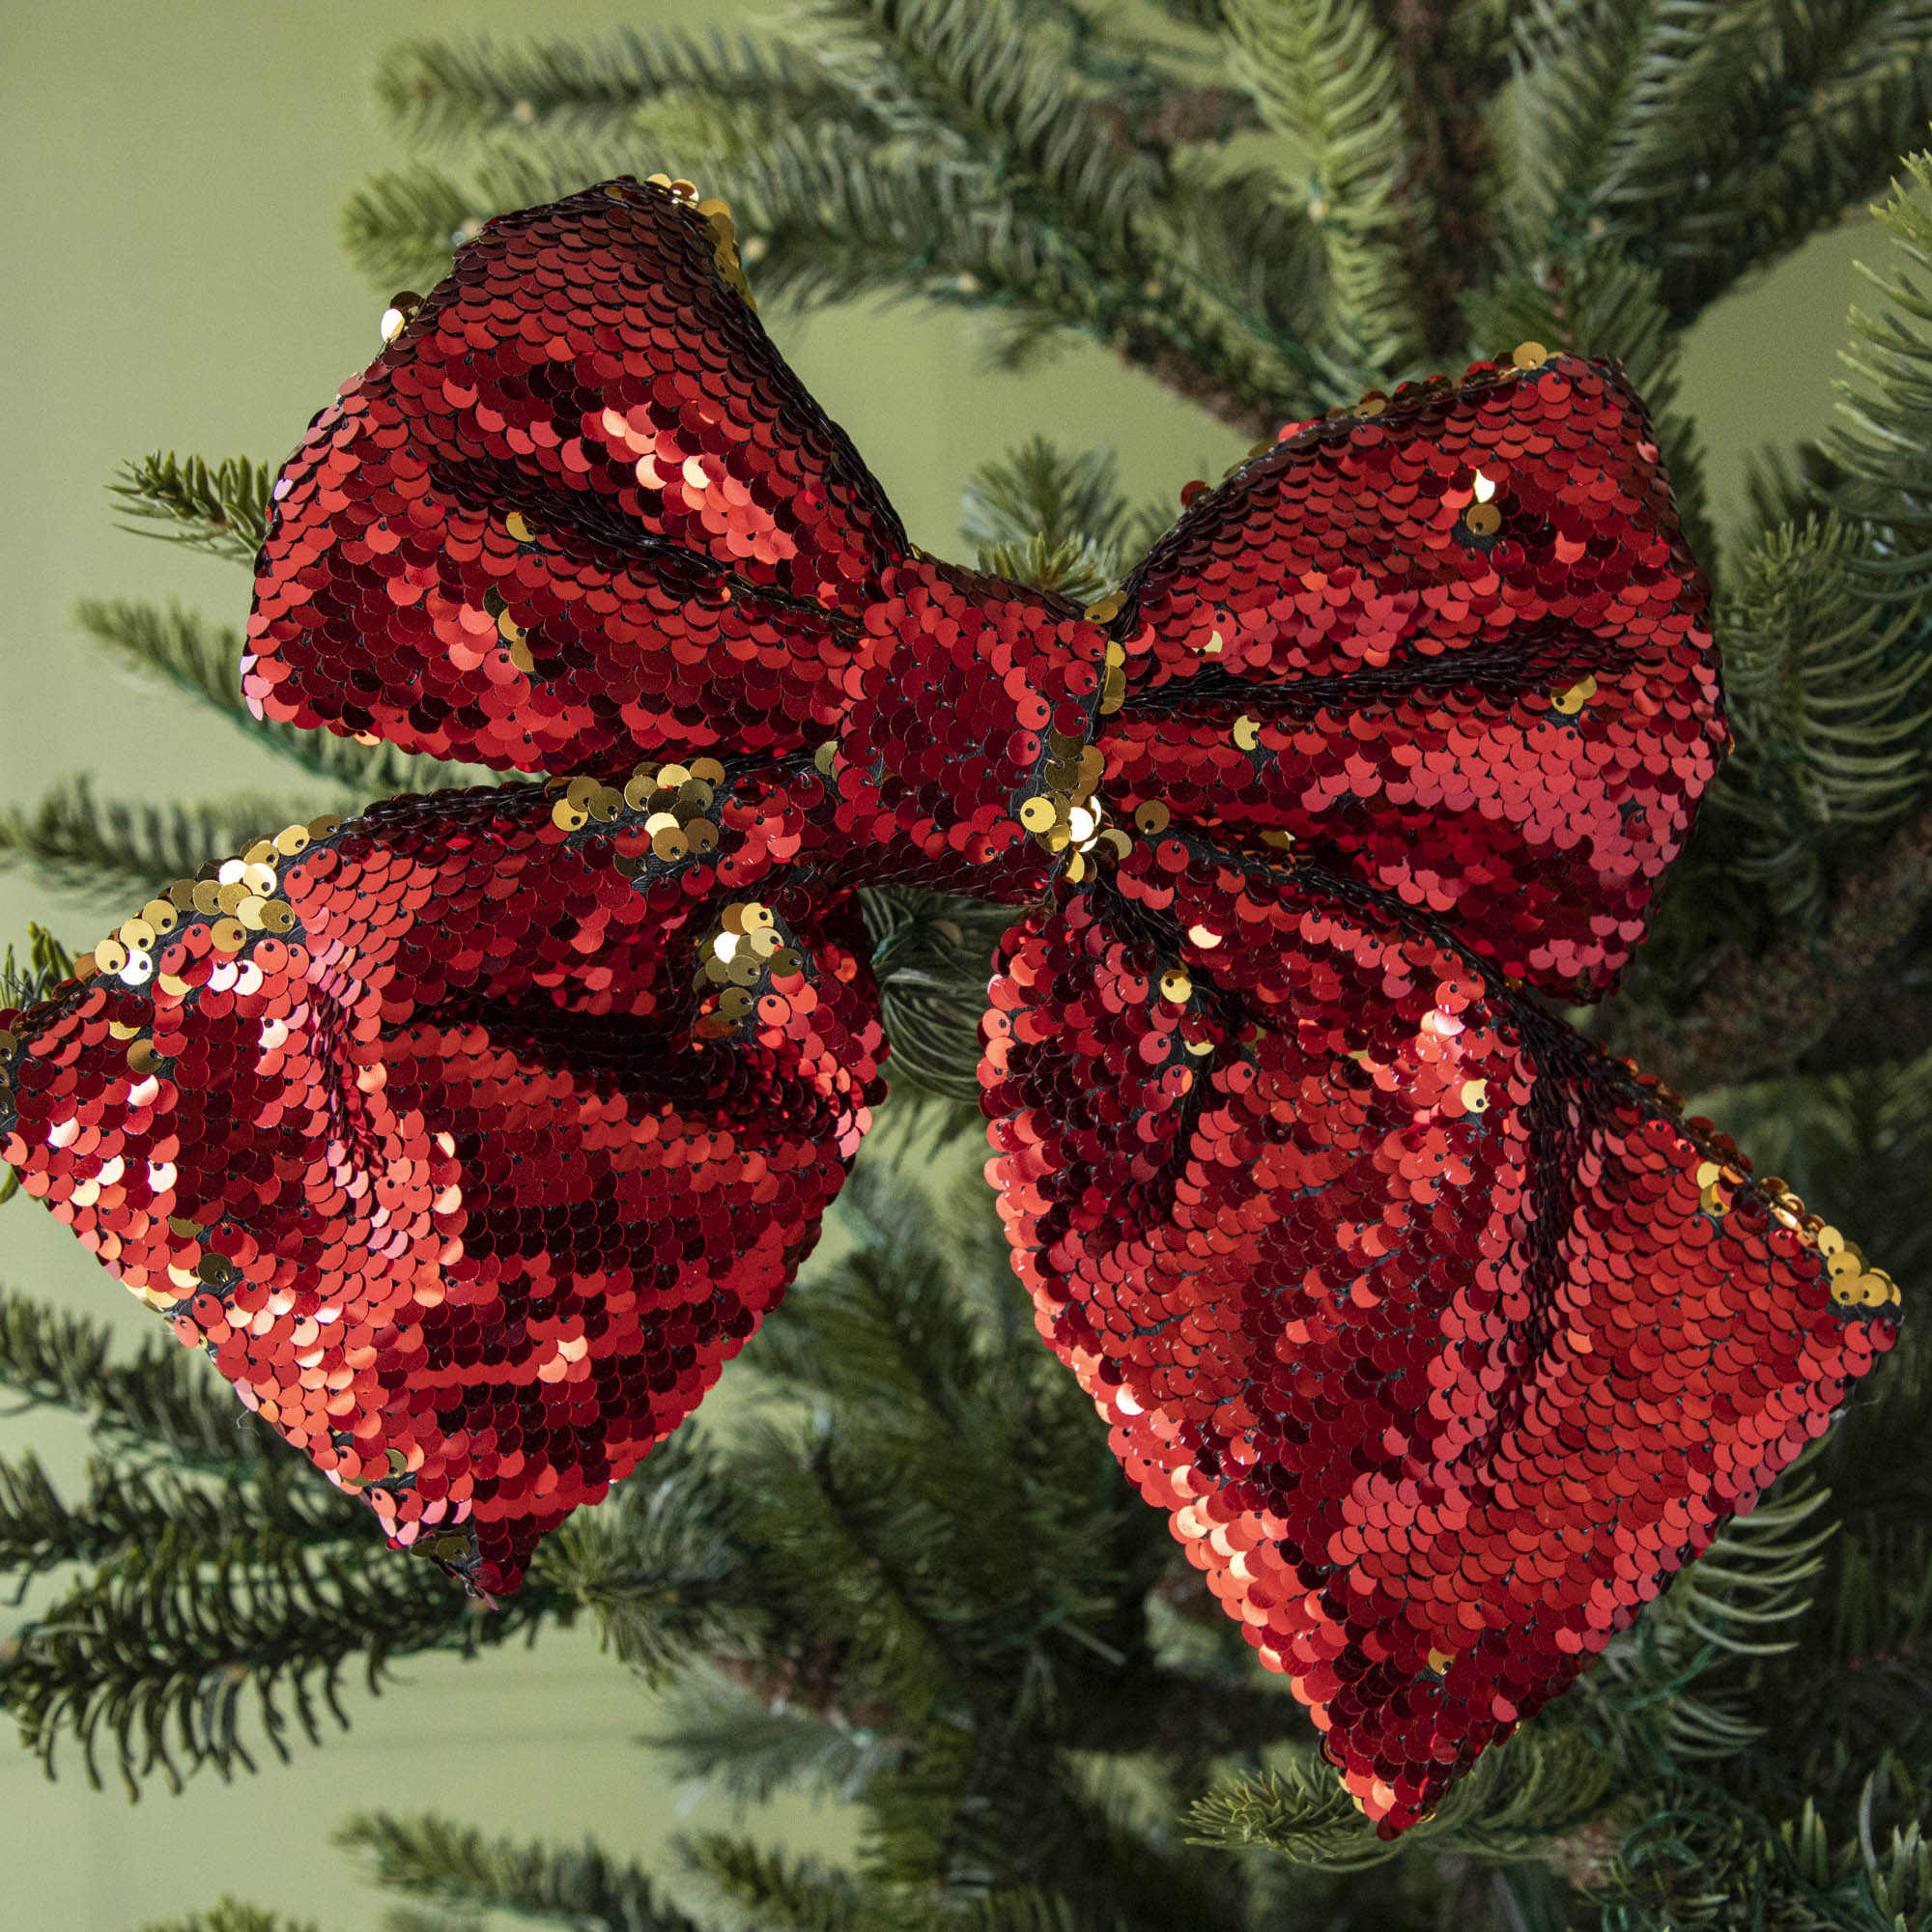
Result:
<point x="470" y="1137"/>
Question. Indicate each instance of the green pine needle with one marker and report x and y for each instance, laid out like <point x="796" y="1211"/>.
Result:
<point x="1324" y="76"/>
<point x="231" y="1914"/>
<point x="1829" y="708"/>
<point x="443" y="95"/>
<point x="428" y="1858"/>
<point x="160" y="1401"/>
<point x="932" y="957"/>
<point x="125" y="853"/>
<point x="220" y="508"/>
<point x="769" y="1889"/>
<point x="1881" y="447"/>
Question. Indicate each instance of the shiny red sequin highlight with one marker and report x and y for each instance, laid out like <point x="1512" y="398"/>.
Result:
<point x="469" y="1138"/>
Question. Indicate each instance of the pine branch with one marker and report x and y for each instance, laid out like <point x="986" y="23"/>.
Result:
<point x="1324" y="75"/>
<point x="1674" y="1688"/>
<point x="1776" y="113"/>
<point x="967" y="73"/>
<point x="1757" y="1012"/>
<point x="428" y="1857"/>
<point x="1790" y="486"/>
<point x="860" y="1552"/>
<point x="220" y="509"/>
<point x="794" y="1895"/>
<point x="177" y="648"/>
<point x="405" y="1918"/>
<point x="126" y="852"/>
<point x="402" y="228"/>
<point x="162" y="1400"/>
<point x="1826" y="709"/>
<point x="1705" y="1862"/>
<point x="664" y="1564"/>
<point x="48" y="963"/>
<point x="1016" y="192"/>
<point x="1519" y="1798"/>
<point x="1448" y="186"/>
<point x="1230" y="236"/>
<point x="1040" y="1839"/>
<point x="829" y="214"/>
<point x="721" y="1735"/>
<point x="231" y="1914"/>
<point x="932" y="958"/>
<point x="1585" y="71"/>
<point x="1856" y="1683"/>
<point x="155" y="1653"/>
<point x="128" y="1508"/>
<point x="444" y="94"/>
<point x="1036" y="490"/>
<point x="1885" y="478"/>
<point x="1211" y="15"/>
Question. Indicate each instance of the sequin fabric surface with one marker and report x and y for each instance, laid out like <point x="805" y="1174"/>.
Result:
<point x="470" y="1136"/>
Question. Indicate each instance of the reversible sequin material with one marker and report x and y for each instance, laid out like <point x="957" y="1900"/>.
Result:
<point x="468" y="1151"/>
<point x="469" y="1138"/>
<point x="1460" y="644"/>
<point x="1444" y="1340"/>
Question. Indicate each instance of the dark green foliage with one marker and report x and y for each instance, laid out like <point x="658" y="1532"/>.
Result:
<point x="221" y="507"/>
<point x="229" y="1914"/>
<point x="48" y="963"/>
<point x="1042" y="517"/>
<point x="932" y="955"/>
<point x="434" y="1860"/>
<point x="1883" y="474"/>
<point x="437" y="95"/>
<point x="125" y="853"/>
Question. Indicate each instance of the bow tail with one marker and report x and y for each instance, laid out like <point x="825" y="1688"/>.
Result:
<point x="1443" y="1338"/>
<point x="469" y="1138"/>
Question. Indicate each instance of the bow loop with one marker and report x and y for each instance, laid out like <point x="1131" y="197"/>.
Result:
<point x="1443" y="1340"/>
<point x="468" y="1147"/>
<point x="576" y="508"/>
<point x="1452" y="643"/>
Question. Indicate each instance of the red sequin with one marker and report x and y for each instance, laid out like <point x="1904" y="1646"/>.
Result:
<point x="469" y="1138"/>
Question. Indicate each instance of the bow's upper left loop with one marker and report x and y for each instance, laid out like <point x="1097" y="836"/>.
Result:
<point x="540" y="531"/>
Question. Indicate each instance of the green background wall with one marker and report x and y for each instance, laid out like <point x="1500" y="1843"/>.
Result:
<point x="171" y="280"/>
